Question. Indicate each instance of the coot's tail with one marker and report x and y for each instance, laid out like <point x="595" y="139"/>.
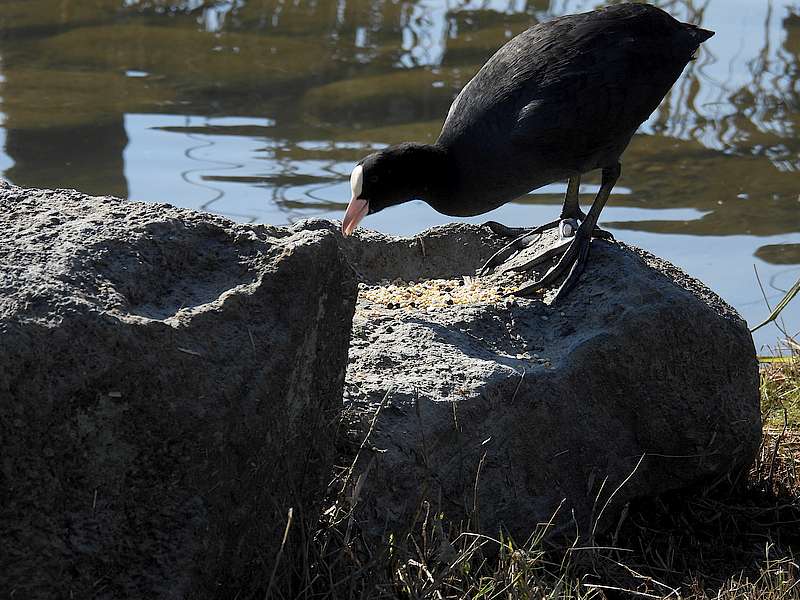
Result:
<point x="701" y="35"/>
<point x="695" y="37"/>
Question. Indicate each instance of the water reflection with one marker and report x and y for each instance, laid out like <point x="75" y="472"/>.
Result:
<point x="88" y="156"/>
<point x="256" y="109"/>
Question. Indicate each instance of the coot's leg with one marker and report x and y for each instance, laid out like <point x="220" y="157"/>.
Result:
<point x="574" y="256"/>
<point x="572" y="208"/>
<point x="572" y="212"/>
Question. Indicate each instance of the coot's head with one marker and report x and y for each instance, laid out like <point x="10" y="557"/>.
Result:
<point x="392" y="176"/>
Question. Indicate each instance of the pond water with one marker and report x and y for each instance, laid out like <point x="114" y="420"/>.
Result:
<point x="257" y="110"/>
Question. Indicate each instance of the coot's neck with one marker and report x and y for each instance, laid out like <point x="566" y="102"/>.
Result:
<point x="433" y="176"/>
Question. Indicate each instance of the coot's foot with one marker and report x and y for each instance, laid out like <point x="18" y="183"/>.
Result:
<point x="515" y="232"/>
<point x="575" y="249"/>
<point x="572" y="262"/>
<point x="524" y="238"/>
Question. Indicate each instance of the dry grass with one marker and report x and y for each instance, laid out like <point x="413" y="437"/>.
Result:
<point x="719" y="543"/>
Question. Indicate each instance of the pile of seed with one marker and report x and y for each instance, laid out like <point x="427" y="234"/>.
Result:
<point x="437" y="293"/>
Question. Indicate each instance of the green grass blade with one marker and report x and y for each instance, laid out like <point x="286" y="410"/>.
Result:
<point x="795" y="289"/>
<point x="771" y="360"/>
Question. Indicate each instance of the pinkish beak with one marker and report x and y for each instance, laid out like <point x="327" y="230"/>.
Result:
<point x="356" y="210"/>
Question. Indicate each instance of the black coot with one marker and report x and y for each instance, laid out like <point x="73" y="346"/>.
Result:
<point x="560" y="99"/>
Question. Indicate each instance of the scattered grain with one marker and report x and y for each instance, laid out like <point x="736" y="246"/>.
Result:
<point x="439" y="293"/>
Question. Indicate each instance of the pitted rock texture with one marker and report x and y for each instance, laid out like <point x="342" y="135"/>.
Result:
<point x="507" y="414"/>
<point x="170" y="383"/>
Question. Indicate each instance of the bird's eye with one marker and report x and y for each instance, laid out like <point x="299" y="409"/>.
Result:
<point x="373" y="179"/>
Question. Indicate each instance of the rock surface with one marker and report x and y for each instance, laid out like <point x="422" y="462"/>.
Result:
<point x="169" y="388"/>
<point x="504" y="414"/>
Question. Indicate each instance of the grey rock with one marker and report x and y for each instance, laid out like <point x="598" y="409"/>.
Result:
<point x="169" y="387"/>
<point x="507" y="415"/>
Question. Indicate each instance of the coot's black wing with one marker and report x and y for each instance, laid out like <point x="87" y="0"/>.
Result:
<point x="576" y="88"/>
